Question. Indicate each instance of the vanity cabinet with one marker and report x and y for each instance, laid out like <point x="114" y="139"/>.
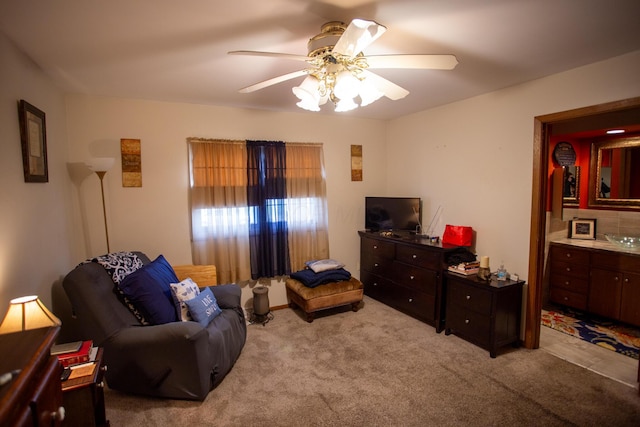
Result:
<point x="569" y="277"/>
<point x="595" y="280"/>
<point x="405" y="274"/>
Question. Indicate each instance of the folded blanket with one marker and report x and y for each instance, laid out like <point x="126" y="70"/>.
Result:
<point x="311" y="279"/>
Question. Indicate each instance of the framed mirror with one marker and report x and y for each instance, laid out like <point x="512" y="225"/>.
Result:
<point x="614" y="175"/>
<point x="571" y="186"/>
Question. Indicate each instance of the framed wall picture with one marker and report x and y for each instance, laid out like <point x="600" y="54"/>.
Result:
<point x="582" y="229"/>
<point x="33" y="136"/>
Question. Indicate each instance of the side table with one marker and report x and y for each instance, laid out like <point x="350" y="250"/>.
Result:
<point x="484" y="313"/>
<point x="83" y="397"/>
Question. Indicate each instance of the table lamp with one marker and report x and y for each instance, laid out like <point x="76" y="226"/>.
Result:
<point x="27" y="313"/>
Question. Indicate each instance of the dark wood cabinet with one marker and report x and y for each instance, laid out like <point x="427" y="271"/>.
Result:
<point x="484" y="313"/>
<point x="405" y="274"/>
<point x="33" y="397"/>
<point x="569" y="277"/>
<point x="84" y="397"/>
<point x="595" y="280"/>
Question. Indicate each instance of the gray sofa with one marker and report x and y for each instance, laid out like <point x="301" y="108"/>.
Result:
<point x="180" y="360"/>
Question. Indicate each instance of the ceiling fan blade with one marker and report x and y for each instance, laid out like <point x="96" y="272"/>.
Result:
<point x="434" y="62"/>
<point x="358" y="35"/>
<point x="389" y="89"/>
<point x="270" y="54"/>
<point x="273" y="81"/>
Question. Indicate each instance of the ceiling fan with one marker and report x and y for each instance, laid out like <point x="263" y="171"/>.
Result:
<point x="337" y="69"/>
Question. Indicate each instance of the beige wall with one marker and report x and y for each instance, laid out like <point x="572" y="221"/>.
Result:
<point x="472" y="157"/>
<point x="155" y="219"/>
<point x="35" y="230"/>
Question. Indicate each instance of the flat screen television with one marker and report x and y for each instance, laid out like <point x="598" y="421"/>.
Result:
<point x="393" y="213"/>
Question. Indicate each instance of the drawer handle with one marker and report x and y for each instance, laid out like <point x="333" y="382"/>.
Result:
<point x="375" y="264"/>
<point x="566" y="298"/>
<point x="411" y="277"/>
<point x="568" y="255"/>
<point x="375" y="283"/>
<point x="468" y="297"/>
<point x="59" y="414"/>
<point x="414" y="256"/>
<point x="410" y="299"/>
<point x="100" y="384"/>
<point x="568" y="268"/>
<point x="626" y="280"/>
<point x="616" y="278"/>
<point x="566" y="283"/>
<point x="375" y="246"/>
<point x="466" y="321"/>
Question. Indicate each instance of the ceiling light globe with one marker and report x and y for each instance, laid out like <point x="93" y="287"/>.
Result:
<point x="347" y="85"/>
<point x="346" y="104"/>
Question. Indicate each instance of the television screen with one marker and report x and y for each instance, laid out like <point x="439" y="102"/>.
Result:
<point x="392" y="213"/>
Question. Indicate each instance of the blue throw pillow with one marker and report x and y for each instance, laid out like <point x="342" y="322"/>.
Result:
<point x="204" y="307"/>
<point x="148" y="290"/>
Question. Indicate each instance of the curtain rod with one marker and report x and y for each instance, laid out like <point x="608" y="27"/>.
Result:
<point x="238" y="141"/>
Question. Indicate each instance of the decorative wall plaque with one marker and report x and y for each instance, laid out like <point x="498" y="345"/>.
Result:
<point x="564" y="154"/>
<point x="131" y="163"/>
<point x="356" y="163"/>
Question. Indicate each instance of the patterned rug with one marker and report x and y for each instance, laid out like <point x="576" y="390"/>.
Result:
<point x="618" y="338"/>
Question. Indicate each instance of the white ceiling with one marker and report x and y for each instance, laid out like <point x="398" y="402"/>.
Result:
<point x="177" y="50"/>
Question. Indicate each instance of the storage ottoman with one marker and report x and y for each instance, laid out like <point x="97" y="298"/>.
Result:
<point x="329" y="295"/>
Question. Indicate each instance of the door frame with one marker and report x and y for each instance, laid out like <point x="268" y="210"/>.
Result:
<point x="537" y="236"/>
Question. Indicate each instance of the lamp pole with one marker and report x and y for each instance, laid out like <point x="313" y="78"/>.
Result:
<point x="104" y="209"/>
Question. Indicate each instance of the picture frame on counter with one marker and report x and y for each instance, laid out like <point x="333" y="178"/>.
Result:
<point x="584" y="229"/>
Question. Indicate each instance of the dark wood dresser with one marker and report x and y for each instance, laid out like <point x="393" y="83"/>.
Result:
<point x="34" y="396"/>
<point x="405" y="273"/>
<point x="486" y="313"/>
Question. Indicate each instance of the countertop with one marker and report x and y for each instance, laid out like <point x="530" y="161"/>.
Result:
<point x="604" y="245"/>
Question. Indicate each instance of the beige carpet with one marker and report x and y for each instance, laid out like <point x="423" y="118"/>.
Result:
<point x="379" y="367"/>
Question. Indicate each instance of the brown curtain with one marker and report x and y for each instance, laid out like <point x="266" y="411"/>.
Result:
<point x="218" y="200"/>
<point x="307" y="213"/>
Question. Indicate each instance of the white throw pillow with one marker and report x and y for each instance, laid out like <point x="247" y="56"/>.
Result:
<point x="181" y="292"/>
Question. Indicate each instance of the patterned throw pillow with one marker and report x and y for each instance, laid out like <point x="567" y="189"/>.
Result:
<point x="181" y="292"/>
<point x="204" y="308"/>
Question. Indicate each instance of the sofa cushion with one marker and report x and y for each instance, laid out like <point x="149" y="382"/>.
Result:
<point x="182" y="292"/>
<point x="148" y="290"/>
<point x="204" y="308"/>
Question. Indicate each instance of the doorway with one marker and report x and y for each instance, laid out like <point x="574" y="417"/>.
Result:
<point x="537" y="237"/>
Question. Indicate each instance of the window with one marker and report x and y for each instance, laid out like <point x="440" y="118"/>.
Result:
<point x="225" y="228"/>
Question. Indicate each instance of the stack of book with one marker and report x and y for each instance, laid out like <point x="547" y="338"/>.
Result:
<point x="466" y="268"/>
<point x="74" y="353"/>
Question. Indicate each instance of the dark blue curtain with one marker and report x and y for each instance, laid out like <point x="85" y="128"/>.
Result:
<point x="267" y="197"/>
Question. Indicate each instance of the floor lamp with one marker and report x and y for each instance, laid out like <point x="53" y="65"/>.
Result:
<point x="100" y="165"/>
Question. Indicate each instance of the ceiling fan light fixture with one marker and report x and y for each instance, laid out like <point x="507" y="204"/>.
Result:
<point x="346" y="104"/>
<point x="347" y="85"/>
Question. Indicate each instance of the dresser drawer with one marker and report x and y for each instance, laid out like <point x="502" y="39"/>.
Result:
<point x="580" y="271"/>
<point x="378" y="248"/>
<point x="419" y="257"/>
<point x="414" y="303"/>
<point x="375" y="286"/>
<point x="468" y="297"/>
<point x="570" y="283"/>
<point x="568" y="298"/>
<point x="376" y="264"/>
<point x="569" y="254"/>
<point x="469" y="324"/>
<point x="416" y="278"/>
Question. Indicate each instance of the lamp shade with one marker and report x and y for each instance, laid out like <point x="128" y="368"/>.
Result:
<point x="27" y="313"/>
<point x="100" y="164"/>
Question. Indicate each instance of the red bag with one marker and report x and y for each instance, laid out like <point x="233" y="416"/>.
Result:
<point x="458" y="235"/>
